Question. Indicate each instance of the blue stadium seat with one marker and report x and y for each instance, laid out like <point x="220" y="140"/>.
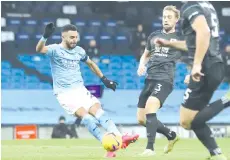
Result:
<point x="122" y="43"/>
<point x="31" y="79"/>
<point x="6" y="72"/>
<point x="110" y="28"/>
<point x="128" y="65"/>
<point x="17" y="72"/>
<point x="28" y="29"/>
<point x="94" y="27"/>
<point x="17" y="85"/>
<point x="80" y="25"/>
<point x="156" y="25"/>
<point x="45" y="86"/>
<point x="114" y="65"/>
<point x="6" y="79"/>
<point x="6" y="65"/>
<point x="106" y="43"/>
<point x="32" y="85"/>
<point x="130" y="86"/>
<point x="103" y="66"/>
<point x="5" y="85"/>
<point x="17" y="79"/>
<point x="86" y="39"/>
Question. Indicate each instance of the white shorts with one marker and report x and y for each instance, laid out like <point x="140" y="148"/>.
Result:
<point x="72" y="100"/>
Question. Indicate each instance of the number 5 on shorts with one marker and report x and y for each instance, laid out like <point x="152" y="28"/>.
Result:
<point x="186" y="94"/>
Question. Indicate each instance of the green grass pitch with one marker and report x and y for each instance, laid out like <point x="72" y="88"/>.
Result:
<point x="90" y="149"/>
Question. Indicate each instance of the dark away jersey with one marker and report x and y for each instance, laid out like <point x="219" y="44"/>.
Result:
<point x="189" y="12"/>
<point x="161" y="65"/>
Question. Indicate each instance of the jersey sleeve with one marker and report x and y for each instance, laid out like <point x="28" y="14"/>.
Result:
<point x="191" y="11"/>
<point x="149" y="41"/>
<point x="51" y="50"/>
<point x="83" y="55"/>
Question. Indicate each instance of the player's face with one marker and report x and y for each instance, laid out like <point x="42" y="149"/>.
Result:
<point x="70" y="38"/>
<point x="169" y="20"/>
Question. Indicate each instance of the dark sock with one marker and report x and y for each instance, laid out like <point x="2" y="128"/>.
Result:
<point x="165" y="131"/>
<point x="151" y="128"/>
<point x="208" y="113"/>
<point x="204" y="134"/>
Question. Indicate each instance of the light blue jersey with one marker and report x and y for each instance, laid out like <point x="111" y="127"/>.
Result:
<point x="65" y="67"/>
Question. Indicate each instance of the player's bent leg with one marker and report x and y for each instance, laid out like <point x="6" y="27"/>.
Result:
<point x="109" y="125"/>
<point x="89" y="123"/>
<point x="186" y="117"/>
<point x="103" y="119"/>
<point x="141" y="116"/>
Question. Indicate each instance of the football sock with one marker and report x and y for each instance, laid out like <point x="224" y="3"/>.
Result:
<point x="106" y="122"/>
<point x="165" y="131"/>
<point x="151" y="128"/>
<point x="89" y="123"/>
<point x="204" y="134"/>
<point x="207" y="113"/>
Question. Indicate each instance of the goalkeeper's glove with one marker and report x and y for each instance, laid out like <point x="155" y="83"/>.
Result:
<point x="109" y="84"/>
<point x="49" y="29"/>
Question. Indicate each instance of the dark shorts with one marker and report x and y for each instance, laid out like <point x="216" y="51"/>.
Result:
<point x="155" y="88"/>
<point x="198" y="94"/>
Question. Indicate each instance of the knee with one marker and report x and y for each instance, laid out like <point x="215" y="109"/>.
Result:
<point x="94" y="109"/>
<point x="152" y="105"/>
<point x="185" y="124"/>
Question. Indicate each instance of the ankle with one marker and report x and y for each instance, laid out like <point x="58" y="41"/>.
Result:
<point x="150" y="146"/>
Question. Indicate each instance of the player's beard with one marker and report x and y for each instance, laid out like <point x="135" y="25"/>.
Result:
<point x="70" y="46"/>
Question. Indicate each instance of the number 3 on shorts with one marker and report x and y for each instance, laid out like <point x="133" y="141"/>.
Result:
<point x="186" y="94"/>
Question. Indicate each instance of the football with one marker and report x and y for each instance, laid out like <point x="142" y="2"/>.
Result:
<point x="111" y="141"/>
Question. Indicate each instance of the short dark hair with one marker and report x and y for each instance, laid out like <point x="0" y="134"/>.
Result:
<point x="69" y="27"/>
<point x="61" y="118"/>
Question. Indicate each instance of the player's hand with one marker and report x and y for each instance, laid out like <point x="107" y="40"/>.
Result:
<point x="141" y="70"/>
<point x="161" y="42"/>
<point x="109" y="84"/>
<point x="187" y="79"/>
<point x="49" y="29"/>
<point x="196" y="72"/>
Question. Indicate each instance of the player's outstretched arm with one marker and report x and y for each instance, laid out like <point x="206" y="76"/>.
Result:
<point x="180" y="45"/>
<point x="143" y="61"/>
<point x="49" y="29"/>
<point x="108" y="83"/>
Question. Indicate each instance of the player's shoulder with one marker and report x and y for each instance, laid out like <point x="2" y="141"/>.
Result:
<point x="154" y="33"/>
<point x="54" y="45"/>
<point x="189" y="5"/>
<point x="178" y="34"/>
<point x="79" y="50"/>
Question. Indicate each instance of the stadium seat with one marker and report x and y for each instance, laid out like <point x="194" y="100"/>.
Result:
<point x="122" y="44"/>
<point x="106" y="43"/>
<point x="81" y="25"/>
<point x="32" y="85"/>
<point x="17" y="72"/>
<point x="5" y="65"/>
<point x="45" y="86"/>
<point x="110" y="28"/>
<point x="31" y="79"/>
<point x="94" y="28"/>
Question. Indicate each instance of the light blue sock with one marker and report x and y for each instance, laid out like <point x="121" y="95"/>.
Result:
<point x="90" y="124"/>
<point x="106" y="122"/>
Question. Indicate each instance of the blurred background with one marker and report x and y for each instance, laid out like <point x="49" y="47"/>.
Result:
<point x="114" y="35"/>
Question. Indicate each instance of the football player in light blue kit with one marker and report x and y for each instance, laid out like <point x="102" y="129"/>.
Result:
<point x="68" y="84"/>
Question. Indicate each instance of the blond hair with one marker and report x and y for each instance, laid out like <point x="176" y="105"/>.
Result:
<point x="174" y="9"/>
